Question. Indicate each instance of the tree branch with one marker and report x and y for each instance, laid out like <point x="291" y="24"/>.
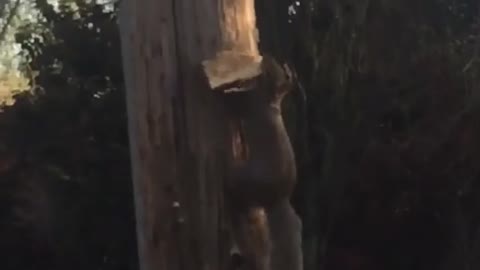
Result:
<point x="13" y="12"/>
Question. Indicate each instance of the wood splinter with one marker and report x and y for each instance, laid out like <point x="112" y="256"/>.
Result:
<point x="231" y="71"/>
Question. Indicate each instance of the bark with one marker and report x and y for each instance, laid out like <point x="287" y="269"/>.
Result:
<point x="150" y="69"/>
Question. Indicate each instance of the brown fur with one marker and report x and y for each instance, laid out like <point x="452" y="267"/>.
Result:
<point x="263" y="173"/>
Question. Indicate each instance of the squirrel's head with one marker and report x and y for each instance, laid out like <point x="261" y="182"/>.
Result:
<point x="278" y="80"/>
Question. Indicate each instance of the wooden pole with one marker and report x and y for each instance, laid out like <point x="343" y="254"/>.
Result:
<point x="178" y="127"/>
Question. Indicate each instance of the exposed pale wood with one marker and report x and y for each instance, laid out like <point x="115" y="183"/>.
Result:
<point x="232" y="68"/>
<point x="238" y="27"/>
<point x="238" y="59"/>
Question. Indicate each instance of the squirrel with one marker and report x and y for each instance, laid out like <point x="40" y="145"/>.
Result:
<point x="262" y="180"/>
<point x="268" y="172"/>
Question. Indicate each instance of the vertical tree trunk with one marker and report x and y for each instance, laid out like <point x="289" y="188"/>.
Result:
<point x="150" y="69"/>
<point x="178" y="126"/>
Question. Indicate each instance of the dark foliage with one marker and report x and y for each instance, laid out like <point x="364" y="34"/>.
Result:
<point x="65" y="181"/>
<point x="389" y="179"/>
